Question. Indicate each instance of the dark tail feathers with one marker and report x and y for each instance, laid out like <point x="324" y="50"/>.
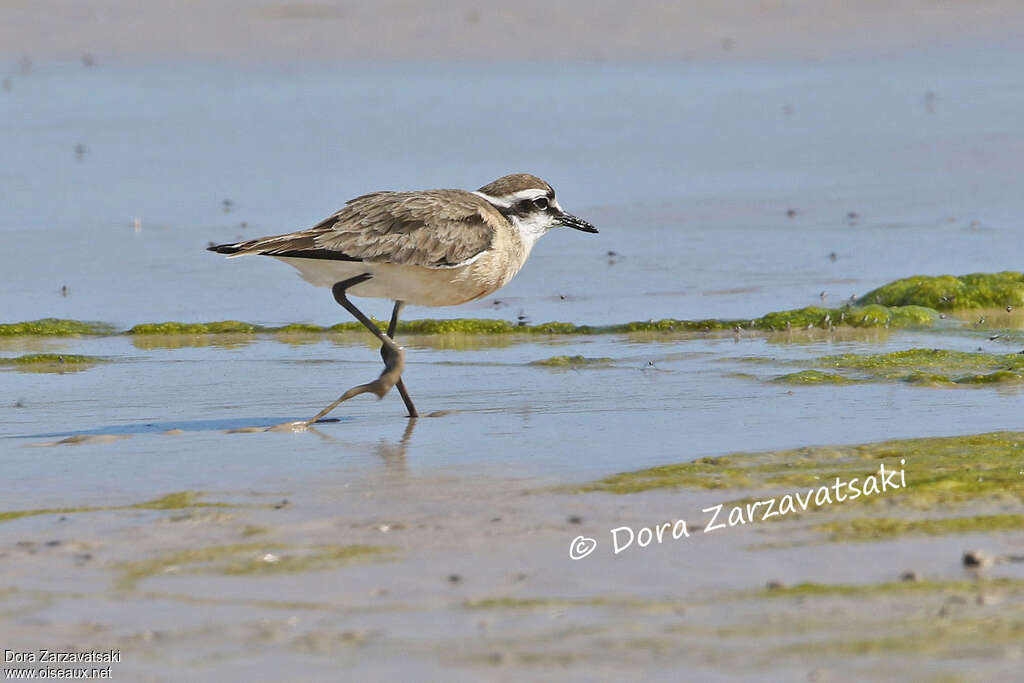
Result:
<point x="225" y="248"/>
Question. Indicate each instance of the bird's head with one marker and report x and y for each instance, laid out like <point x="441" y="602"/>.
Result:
<point x="530" y="204"/>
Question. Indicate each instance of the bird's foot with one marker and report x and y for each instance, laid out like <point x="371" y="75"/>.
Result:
<point x="394" y="364"/>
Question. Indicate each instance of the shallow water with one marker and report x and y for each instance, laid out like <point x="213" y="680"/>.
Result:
<point x="658" y="401"/>
<point x="689" y="170"/>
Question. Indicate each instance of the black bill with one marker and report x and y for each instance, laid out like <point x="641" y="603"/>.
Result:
<point x="570" y="221"/>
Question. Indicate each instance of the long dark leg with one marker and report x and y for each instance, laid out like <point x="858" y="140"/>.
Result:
<point x="400" y="385"/>
<point x="394" y="356"/>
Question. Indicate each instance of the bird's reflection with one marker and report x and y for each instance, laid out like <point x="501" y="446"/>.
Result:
<point x="392" y="454"/>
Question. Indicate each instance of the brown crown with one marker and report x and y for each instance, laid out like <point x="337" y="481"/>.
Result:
<point x="513" y="183"/>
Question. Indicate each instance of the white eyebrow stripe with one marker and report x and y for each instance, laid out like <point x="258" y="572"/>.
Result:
<point x="508" y="200"/>
<point x="492" y="200"/>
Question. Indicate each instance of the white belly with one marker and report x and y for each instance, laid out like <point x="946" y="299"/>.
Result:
<point x="411" y="284"/>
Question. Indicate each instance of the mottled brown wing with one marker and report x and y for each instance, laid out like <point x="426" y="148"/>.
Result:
<point x="434" y="228"/>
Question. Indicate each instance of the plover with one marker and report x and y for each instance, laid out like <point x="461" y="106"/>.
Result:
<point x="428" y="248"/>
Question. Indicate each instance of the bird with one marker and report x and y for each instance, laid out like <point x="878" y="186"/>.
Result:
<point x="426" y="248"/>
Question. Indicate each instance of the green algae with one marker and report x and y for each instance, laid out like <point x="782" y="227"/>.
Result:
<point x="983" y="632"/>
<point x="315" y="558"/>
<point x="289" y="605"/>
<point x="805" y="318"/>
<point x="133" y="572"/>
<point x="1007" y="319"/>
<point x="149" y="342"/>
<point x="458" y="326"/>
<point x="922" y="378"/>
<point x="172" y="501"/>
<point x="910" y="620"/>
<point x="178" y="501"/>
<point x="811" y="317"/>
<point x="948" y="292"/>
<point x="910" y="302"/>
<point x="247" y="559"/>
<point x="6" y="516"/>
<point x="410" y="327"/>
<point x="171" y="328"/>
<point x="54" y="327"/>
<point x="47" y="358"/>
<point x="300" y="328"/>
<point x="997" y="377"/>
<point x="814" y="589"/>
<point x="880" y="528"/>
<point x="514" y="602"/>
<point x="527" y="603"/>
<point x="571" y="362"/>
<point x="941" y="474"/>
<point x="51" y="362"/>
<point x="939" y="471"/>
<point x="926" y="358"/>
<point x="932" y="367"/>
<point x="970" y="636"/>
<point x="814" y="377"/>
<point x="871" y="315"/>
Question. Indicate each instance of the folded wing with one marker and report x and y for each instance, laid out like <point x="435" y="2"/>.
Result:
<point x="433" y="229"/>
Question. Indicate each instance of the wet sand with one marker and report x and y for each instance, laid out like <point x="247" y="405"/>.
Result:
<point x="458" y="574"/>
<point x="147" y="523"/>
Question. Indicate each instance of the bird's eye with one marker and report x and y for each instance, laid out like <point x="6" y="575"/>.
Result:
<point x="541" y="203"/>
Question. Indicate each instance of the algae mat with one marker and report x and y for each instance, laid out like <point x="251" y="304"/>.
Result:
<point x="227" y="577"/>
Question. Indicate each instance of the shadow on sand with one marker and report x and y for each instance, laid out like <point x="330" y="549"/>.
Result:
<point x="175" y="426"/>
